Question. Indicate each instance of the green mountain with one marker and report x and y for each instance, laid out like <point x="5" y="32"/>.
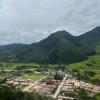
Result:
<point x="8" y="52"/>
<point x="91" y="39"/>
<point x="59" y="47"/>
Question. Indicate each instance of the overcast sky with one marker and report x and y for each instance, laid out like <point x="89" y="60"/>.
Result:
<point x="27" y="21"/>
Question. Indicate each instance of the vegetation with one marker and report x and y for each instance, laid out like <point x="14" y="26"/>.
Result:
<point x="84" y="95"/>
<point x="21" y="66"/>
<point x="58" y="77"/>
<point x="15" y="94"/>
<point x="29" y="75"/>
<point x="27" y="70"/>
<point x="60" y="47"/>
<point x="97" y="97"/>
<point x="88" y="69"/>
<point x="18" y="66"/>
<point x="33" y="76"/>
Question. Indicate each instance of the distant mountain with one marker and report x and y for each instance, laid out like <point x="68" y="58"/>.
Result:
<point x="91" y="39"/>
<point x="12" y="47"/>
<point x="59" y="47"/>
<point x="8" y="52"/>
<point x="91" y="36"/>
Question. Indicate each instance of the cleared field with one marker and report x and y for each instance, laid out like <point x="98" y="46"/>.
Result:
<point x="3" y="76"/>
<point x="34" y="76"/>
<point x="31" y="76"/>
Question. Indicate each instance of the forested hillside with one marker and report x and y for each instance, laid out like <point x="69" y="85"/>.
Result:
<point x="59" y="47"/>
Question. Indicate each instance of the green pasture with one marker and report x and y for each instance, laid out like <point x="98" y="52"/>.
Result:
<point x="34" y="76"/>
<point x="91" y="64"/>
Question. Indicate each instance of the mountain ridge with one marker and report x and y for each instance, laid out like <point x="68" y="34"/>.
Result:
<point x="59" y="47"/>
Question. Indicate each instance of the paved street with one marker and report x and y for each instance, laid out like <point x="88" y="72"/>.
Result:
<point x="33" y="84"/>
<point x="59" y="87"/>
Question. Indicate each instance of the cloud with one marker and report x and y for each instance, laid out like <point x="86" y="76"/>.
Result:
<point x="28" y="21"/>
<point x="82" y="17"/>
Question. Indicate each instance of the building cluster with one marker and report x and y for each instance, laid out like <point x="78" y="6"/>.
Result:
<point x="72" y="86"/>
<point x="48" y="86"/>
<point x="19" y="82"/>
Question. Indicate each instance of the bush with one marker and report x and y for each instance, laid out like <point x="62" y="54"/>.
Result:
<point x="89" y="73"/>
<point x="58" y="77"/>
<point x="11" y="93"/>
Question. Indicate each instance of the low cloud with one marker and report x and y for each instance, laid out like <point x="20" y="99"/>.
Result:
<point x="27" y="21"/>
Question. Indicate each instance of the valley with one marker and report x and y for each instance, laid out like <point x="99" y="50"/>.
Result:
<point x="60" y="67"/>
<point x="45" y="79"/>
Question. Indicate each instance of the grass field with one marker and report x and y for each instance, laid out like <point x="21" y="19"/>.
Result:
<point x="3" y="76"/>
<point x="98" y="96"/>
<point x="13" y="66"/>
<point x="31" y="76"/>
<point x="20" y="66"/>
<point x="34" y="76"/>
<point x="92" y="64"/>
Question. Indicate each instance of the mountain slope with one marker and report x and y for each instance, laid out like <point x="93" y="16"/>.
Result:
<point x="93" y="35"/>
<point x="8" y="52"/>
<point x="59" y="47"/>
<point x="91" y="39"/>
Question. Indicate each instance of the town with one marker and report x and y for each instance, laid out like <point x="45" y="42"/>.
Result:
<point x="57" y="83"/>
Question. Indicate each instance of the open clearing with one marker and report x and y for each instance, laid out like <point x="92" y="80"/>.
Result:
<point x="34" y="76"/>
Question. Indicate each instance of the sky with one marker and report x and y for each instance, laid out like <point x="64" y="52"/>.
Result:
<point x="28" y="21"/>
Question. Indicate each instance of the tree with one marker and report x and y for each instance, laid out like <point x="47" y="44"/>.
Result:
<point x="58" y="76"/>
<point x="84" y="95"/>
<point x="89" y="73"/>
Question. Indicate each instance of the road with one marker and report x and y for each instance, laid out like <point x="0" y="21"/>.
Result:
<point x="33" y="84"/>
<point x="30" y="86"/>
<point x="67" y="98"/>
<point x="59" y="87"/>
